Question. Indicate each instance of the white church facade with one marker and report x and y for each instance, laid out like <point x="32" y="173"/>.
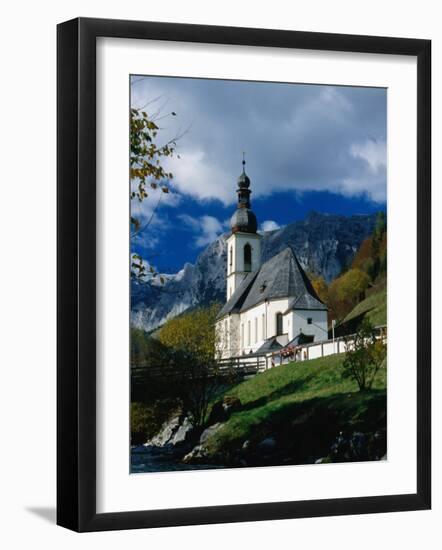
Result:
<point x="269" y="305"/>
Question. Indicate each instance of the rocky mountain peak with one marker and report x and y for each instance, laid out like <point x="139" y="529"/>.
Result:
<point x="324" y="244"/>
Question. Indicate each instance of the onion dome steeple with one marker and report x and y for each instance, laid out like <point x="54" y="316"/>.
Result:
<point x="243" y="219"/>
<point x="243" y="180"/>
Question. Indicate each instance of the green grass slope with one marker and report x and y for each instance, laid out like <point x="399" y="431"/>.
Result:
<point x="303" y="406"/>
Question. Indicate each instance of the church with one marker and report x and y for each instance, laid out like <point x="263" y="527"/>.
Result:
<point x="269" y="305"/>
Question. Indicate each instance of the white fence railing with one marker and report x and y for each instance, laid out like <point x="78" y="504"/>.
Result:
<point x="301" y="352"/>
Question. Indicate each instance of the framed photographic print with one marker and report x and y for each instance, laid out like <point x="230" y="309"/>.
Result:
<point x="234" y="342"/>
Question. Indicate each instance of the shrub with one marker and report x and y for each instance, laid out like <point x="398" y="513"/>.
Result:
<point x="365" y="357"/>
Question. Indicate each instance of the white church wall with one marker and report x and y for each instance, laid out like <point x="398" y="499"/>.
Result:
<point x="262" y="322"/>
<point x="234" y="335"/>
<point x="253" y="323"/>
<point x="317" y="328"/>
<point x="221" y="343"/>
<point x="228" y="336"/>
<point x="274" y="307"/>
<point x="241" y="334"/>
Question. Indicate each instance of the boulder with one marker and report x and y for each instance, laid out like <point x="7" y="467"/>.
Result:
<point x="175" y="432"/>
<point x="359" y="446"/>
<point x="208" y="432"/>
<point x="182" y="433"/>
<point x="200" y="452"/>
<point x="167" y="431"/>
<point x="195" y="455"/>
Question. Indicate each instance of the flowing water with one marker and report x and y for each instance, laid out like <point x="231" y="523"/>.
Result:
<point x="150" y="460"/>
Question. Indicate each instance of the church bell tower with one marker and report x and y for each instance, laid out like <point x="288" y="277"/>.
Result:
<point x="244" y="244"/>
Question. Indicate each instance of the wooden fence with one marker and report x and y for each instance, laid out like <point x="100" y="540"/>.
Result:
<point x="247" y="365"/>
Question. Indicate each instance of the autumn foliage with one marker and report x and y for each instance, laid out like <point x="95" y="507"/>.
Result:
<point x="193" y="332"/>
<point x="346" y="291"/>
<point x="369" y="266"/>
<point x="321" y="287"/>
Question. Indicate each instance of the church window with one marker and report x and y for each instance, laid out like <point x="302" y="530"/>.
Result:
<point x="231" y="257"/>
<point x="309" y="321"/>
<point x="248" y="334"/>
<point x="247" y="257"/>
<point x="256" y="329"/>
<point x="263" y="327"/>
<point x="242" y="335"/>
<point x="225" y="330"/>
<point x="278" y="323"/>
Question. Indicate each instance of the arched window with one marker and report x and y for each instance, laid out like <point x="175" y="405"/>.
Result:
<point x="278" y="323"/>
<point x="247" y="257"/>
<point x="231" y="257"/>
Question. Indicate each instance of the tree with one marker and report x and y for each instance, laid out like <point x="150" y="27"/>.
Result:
<point x="193" y="340"/>
<point x="345" y="291"/>
<point x="193" y="332"/>
<point x="146" y="155"/>
<point x="147" y="171"/>
<point x="365" y="356"/>
<point x="372" y="254"/>
<point x="321" y="287"/>
<point x="363" y="259"/>
<point x="379" y="247"/>
<point x="380" y="227"/>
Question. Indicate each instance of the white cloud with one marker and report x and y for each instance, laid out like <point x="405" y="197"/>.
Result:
<point x="370" y="180"/>
<point x="148" y="241"/>
<point x="269" y="225"/>
<point x="373" y="187"/>
<point x="207" y="228"/>
<point x="373" y="152"/>
<point x="195" y="174"/>
<point x="335" y="98"/>
<point x="154" y="203"/>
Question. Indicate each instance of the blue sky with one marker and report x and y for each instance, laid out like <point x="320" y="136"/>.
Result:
<point x="308" y="147"/>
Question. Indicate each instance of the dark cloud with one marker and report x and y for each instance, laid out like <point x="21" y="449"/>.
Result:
<point x="296" y="137"/>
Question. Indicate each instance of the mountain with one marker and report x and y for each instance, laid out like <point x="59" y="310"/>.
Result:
<point x="324" y="244"/>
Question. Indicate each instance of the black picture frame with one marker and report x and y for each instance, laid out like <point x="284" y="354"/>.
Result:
<point x="76" y="274"/>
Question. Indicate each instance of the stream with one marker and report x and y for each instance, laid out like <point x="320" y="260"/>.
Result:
<point x="154" y="460"/>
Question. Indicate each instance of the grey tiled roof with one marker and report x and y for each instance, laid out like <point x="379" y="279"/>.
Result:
<point x="280" y="277"/>
<point x="235" y="302"/>
<point x="270" y="344"/>
<point x="306" y="301"/>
